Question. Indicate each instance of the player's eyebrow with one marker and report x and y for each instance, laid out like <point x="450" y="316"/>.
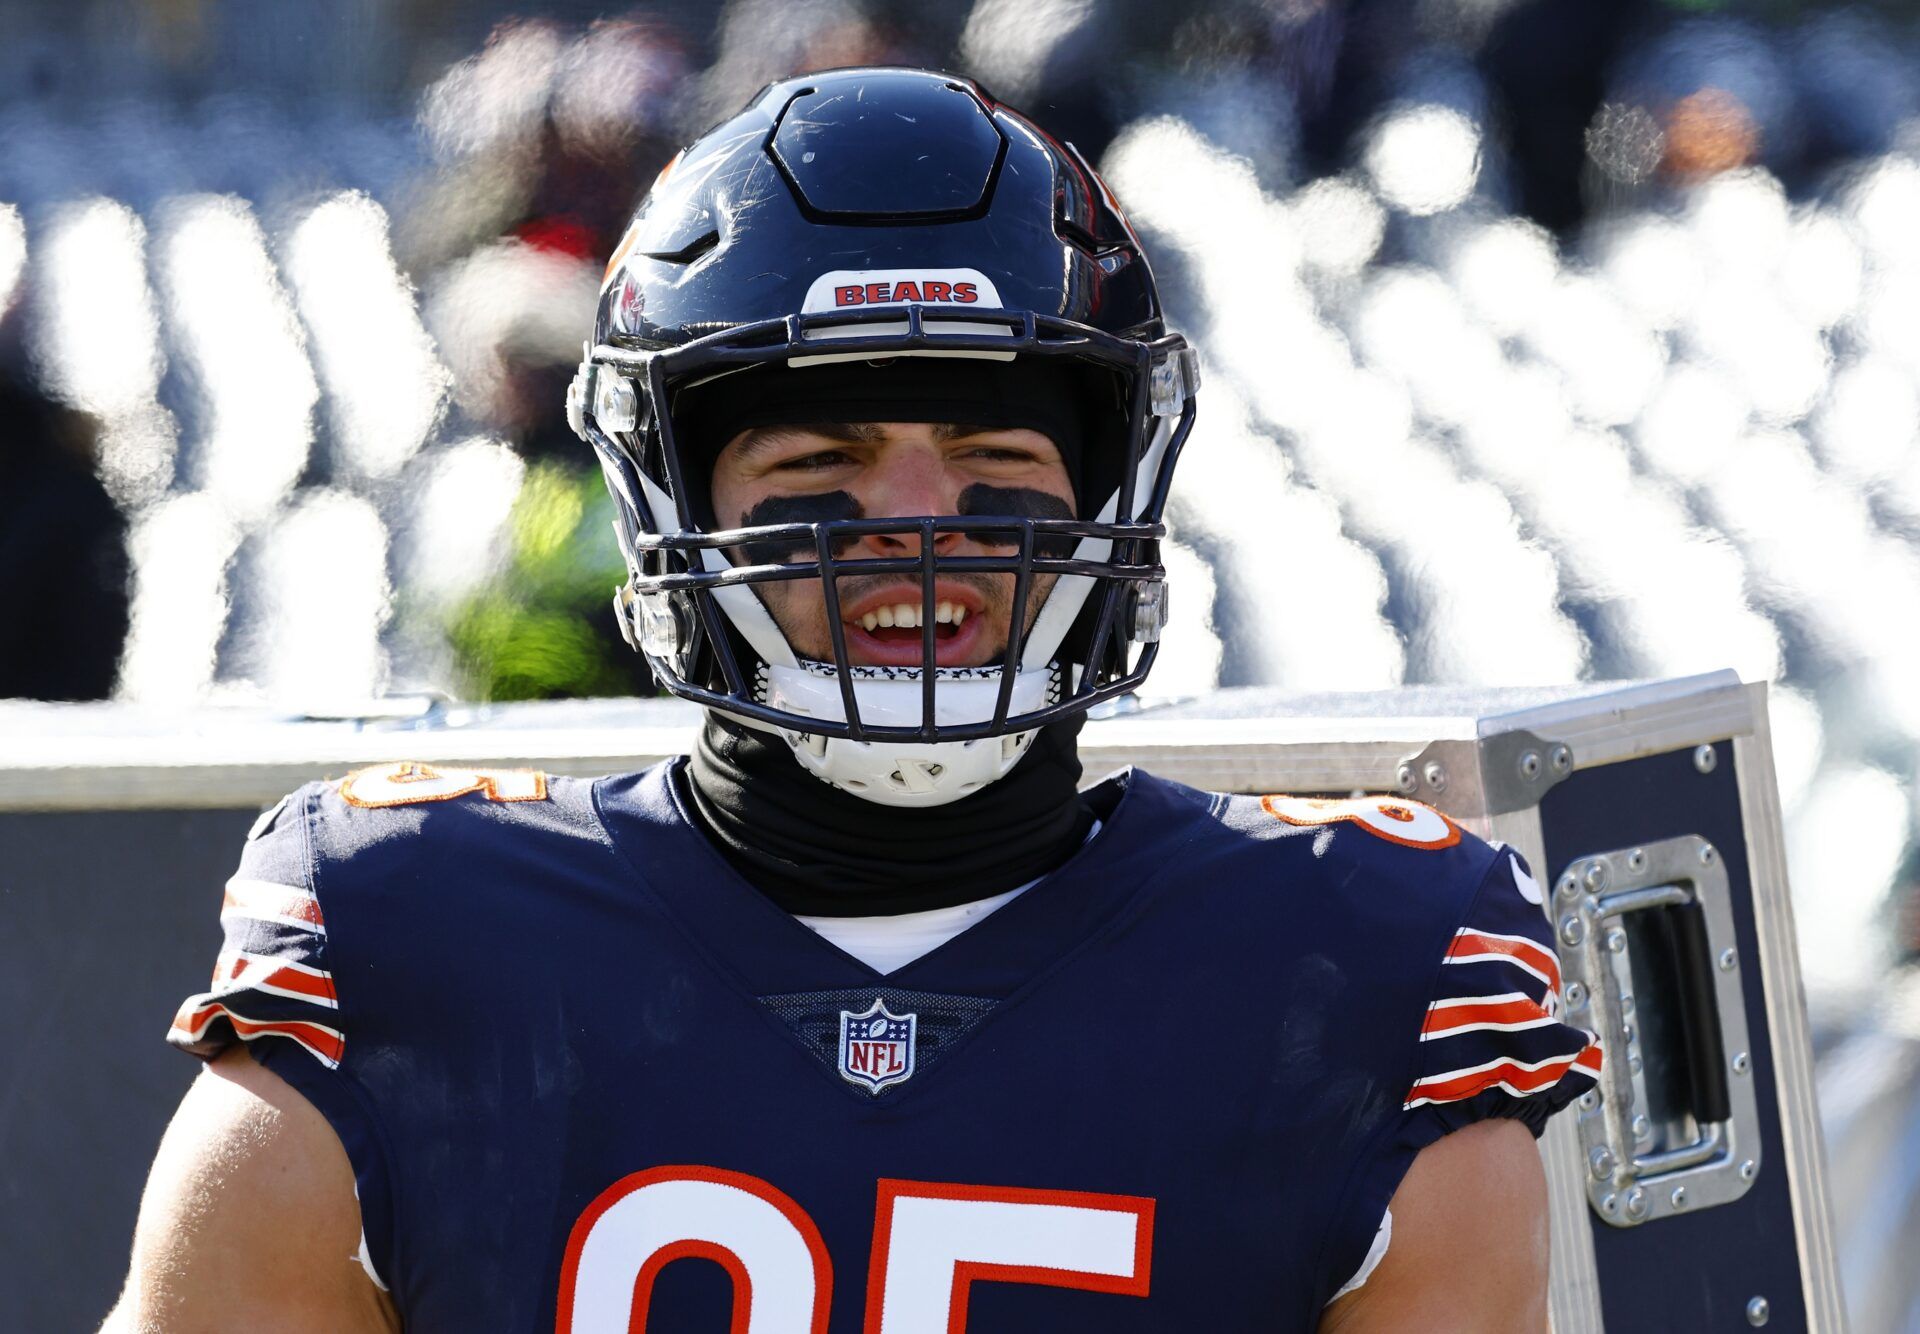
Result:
<point x="760" y="439"/>
<point x="960" y="430"/>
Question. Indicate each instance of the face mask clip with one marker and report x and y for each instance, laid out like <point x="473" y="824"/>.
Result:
<point x="1172" y="381"/>
<point x="616" y="405"/>
<point x="652" y="623"/>
<point x="1147" y="611"/>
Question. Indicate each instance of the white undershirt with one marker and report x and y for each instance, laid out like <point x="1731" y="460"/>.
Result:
<point x="1382" y="1236"/>
<point x="885" y="944"/>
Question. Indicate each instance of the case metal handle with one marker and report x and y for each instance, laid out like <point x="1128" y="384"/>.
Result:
<point x="1649" y="962"/>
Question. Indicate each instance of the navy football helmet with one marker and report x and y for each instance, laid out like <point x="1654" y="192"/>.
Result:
<point x="861" y="215"/>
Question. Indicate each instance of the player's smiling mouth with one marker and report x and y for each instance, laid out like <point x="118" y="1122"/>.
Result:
<point x="886" y="628"/>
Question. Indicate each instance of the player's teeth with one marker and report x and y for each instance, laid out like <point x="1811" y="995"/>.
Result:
<point x="959" y="613"/>
<point x="906" y="615"/>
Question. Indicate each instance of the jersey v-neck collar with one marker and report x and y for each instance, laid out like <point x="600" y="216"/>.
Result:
<point x="766" y="951"/>
<point x="905" y="937"/>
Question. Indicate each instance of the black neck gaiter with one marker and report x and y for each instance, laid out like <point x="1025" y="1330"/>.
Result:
<point x="814" y="849"/>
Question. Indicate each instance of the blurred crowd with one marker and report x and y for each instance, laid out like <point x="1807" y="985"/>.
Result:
<point x="1545" y="341"/>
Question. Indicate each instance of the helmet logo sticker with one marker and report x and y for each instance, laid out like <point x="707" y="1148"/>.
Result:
<point x="878" y="294"/>
<point x="629" y="306"/>
<point x="844" y="288"/>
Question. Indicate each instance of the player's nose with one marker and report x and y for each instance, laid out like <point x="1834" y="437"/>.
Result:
<point x="908" y="540"/>
<point x="909" y="481"/>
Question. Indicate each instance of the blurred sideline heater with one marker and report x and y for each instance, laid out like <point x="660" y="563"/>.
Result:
<point x="1648" y="810"/>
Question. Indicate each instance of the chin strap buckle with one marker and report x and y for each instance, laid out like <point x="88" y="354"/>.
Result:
<point x="917" y="776"/>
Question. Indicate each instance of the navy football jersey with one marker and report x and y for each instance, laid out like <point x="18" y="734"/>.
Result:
<point x="590" y="1080"/>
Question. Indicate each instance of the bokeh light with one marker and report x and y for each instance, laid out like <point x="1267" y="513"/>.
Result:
<point x="1869" y="424"/>
<point x="509" y="302"/>
<point x="1653" y="265"/>
<point x="385" y="386"/>
<point x="180" y="548"/>
<point x="461" y="499"/>
<point x="495" y="98"/>
<point x="1235" y="501"/>
<point x="251" y="419"/>
<point x="316" y="644"/>
<point x="1424" y="159"/>
<point x="1341" y="225"/>
<point x="1845" y="841"/>
<point x="1007" y="42"/>
<point x="91" y="262"/>
<point x="1504" y="271"/>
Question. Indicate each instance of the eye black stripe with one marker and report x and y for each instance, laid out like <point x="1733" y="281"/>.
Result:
<point x="1017" y="502"/>
<point x="824" y="507"/>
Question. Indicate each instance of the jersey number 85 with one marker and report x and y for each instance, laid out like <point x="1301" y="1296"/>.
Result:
<point x="931" y="1241"/>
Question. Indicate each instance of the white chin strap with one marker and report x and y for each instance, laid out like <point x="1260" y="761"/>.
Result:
<point x="908" y="773"/>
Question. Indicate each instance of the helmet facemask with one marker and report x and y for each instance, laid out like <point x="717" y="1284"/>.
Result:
<point x="900" y="736"/>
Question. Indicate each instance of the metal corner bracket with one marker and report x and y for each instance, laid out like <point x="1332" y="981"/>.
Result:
<point x="1491" y="775"/>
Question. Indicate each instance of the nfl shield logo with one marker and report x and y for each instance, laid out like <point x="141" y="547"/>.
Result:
<point x="876" y="1046"/>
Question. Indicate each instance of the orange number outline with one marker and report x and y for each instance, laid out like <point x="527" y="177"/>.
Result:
<point x="498" y="784"/>
<point x="1354" y="810"/>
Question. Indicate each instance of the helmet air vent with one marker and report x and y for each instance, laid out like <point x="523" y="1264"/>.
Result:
<point x="675" y="228"/>
<point x="689" y="252"/>
<point x="928" y="150"/>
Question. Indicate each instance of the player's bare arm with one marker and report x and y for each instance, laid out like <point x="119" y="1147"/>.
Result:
<point x="1469" y="1250"/>
<point x="249" y="1219"/>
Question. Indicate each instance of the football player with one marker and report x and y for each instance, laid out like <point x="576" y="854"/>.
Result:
<point x="864" y="1016"/>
